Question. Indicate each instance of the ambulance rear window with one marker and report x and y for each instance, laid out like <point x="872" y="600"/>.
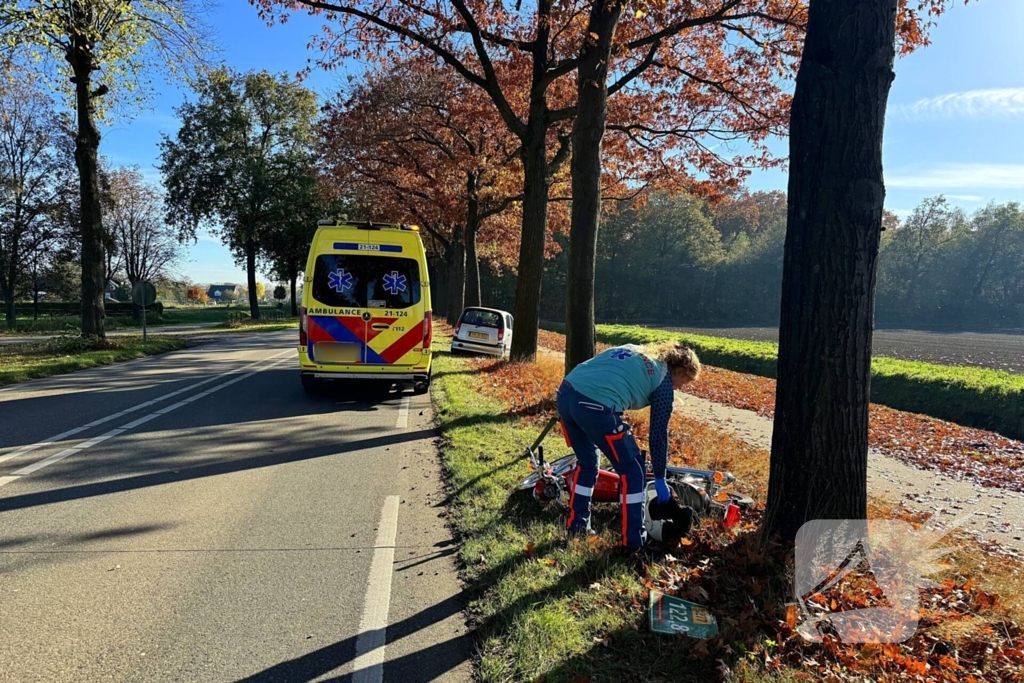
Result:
<point x="357" y="281"/>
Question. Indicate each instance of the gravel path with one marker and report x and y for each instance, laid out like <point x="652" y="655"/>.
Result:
<point x="984" y="350"/>
<point x="996" y="514"/>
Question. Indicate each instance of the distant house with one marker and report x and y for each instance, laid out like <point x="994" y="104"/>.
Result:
<point x="117" y="290"/>
<point x="215" y="292"/>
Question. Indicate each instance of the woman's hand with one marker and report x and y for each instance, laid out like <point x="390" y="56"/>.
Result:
<point x="662" y="488"/>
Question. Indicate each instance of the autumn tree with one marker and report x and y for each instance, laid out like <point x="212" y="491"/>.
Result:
<point x="685" y="73"/>
<point x="241" y="145"/>
<point x="35" y="165"/>
<point x="836" y="192"/>
<point x="415" y="142"/>
<point x="471" y="39"/>
<point x="123" y="42"/>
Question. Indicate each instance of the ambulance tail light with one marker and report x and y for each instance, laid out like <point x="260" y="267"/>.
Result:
<point x="428" y="330"/>
<point x="303" y="329"/>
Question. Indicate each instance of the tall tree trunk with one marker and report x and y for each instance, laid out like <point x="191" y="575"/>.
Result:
<point x="250" y="272"/>
<point x="292" y="277"/>
<point x="530" y="273"/>
<point x="87" y="143"/>
<point x="456" y="276"/>
<point x="588" y="132"/>
<point x="438" y="276"/>
<point x="531" y="250"/>
<point x="473" y="295"/>
<point x="836" y="192"/>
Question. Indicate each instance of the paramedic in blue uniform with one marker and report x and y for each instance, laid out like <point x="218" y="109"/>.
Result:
<point x="591" y="401"/>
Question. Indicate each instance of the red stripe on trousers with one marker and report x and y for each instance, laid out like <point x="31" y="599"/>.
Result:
<point x="565" y="434"/>
<point x="572" y="498"/>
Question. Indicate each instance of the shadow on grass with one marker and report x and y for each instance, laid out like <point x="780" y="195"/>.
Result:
<point x="743" y="588"/>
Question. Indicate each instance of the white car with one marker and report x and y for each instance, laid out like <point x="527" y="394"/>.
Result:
<point x="483" y="330"/>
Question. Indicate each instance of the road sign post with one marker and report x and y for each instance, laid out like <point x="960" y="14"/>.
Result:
<point x="143" y="295"/>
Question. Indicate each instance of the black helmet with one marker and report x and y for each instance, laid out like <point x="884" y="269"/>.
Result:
<point x="668" y="522"/>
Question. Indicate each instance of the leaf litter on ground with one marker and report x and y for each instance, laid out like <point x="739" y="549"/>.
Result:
<point x="967" y="632"/>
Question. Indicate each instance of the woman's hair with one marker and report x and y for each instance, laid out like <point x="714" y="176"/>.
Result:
<point x="677" y="357"/>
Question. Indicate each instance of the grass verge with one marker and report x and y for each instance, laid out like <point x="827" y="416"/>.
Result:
<point x="71" y="324"/>
<point x="551" y="610"/>
<point x="21" y="362"/>
<point x="975" y="397"/>
<point x="247" y="325"/>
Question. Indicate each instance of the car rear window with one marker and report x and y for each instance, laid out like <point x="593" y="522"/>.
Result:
<point x="481" y="318"/>
<point x="359" y="281"/>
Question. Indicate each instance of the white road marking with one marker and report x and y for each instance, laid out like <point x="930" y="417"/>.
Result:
<point x="403" y="414"/>
<point x="57" y="457"/>
<point x="369" y="663"/>
<point x="113" y="416"/>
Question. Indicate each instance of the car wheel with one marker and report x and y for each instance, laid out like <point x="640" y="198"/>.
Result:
<point x="310" y="384"/>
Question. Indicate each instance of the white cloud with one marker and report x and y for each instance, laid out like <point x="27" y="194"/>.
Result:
<point x="961" y="176"/>
<point x="965" y="197"/>
<point x="972" y="104"/>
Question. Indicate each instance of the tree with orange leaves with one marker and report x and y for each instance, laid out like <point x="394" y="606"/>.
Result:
<point x="420" y="144"/>
<point x="705" y="72"/>
<point x="731" y="57"/>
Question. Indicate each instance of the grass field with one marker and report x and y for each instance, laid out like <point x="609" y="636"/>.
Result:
<point x="20" y="362"/>
<point x="975" y="397"/>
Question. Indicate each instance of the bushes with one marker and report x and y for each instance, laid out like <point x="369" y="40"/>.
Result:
<point x="975" y="397"/>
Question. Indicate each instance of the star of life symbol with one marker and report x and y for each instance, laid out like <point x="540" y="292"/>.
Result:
<point x="621" y="354"/>
<point x="394" y="283"/>
<point x="885" y="558"/>
<point x="339" y="280"/>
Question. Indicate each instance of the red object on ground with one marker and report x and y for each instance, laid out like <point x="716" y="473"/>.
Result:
<point x="732" y="516"/>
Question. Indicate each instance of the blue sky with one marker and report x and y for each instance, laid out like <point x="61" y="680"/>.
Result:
<point x="955" y="124"/>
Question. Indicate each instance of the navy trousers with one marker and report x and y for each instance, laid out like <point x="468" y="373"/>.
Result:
<point x="592" y="429"/>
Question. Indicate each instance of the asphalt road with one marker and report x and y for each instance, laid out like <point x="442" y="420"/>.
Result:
<point x="199" y="518"/>
<point x="985" y="350"/>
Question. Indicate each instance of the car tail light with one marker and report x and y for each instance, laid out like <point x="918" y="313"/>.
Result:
<point x="458" y="326"/>
<point x="428" y="330"/>
<point x="303" y="331"/>
<point x="501" y="333"/>
<point x="732" y="516"/>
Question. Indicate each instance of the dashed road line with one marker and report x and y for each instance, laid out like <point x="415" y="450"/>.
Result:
<point x="24" y="450"/>
<point x="368" y="666"/>
<point x="403" y="414"/>
<point x="57" y="457"/>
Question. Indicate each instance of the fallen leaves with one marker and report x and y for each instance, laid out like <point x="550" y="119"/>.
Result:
<point x="964" y="633"/>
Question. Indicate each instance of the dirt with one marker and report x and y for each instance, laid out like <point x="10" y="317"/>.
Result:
<point x="992" y="514"/>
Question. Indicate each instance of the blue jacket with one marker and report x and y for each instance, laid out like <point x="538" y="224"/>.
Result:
<point x="623" y="378"/>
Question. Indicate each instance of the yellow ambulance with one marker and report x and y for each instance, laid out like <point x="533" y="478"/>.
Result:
<point x="365" y="312"/>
